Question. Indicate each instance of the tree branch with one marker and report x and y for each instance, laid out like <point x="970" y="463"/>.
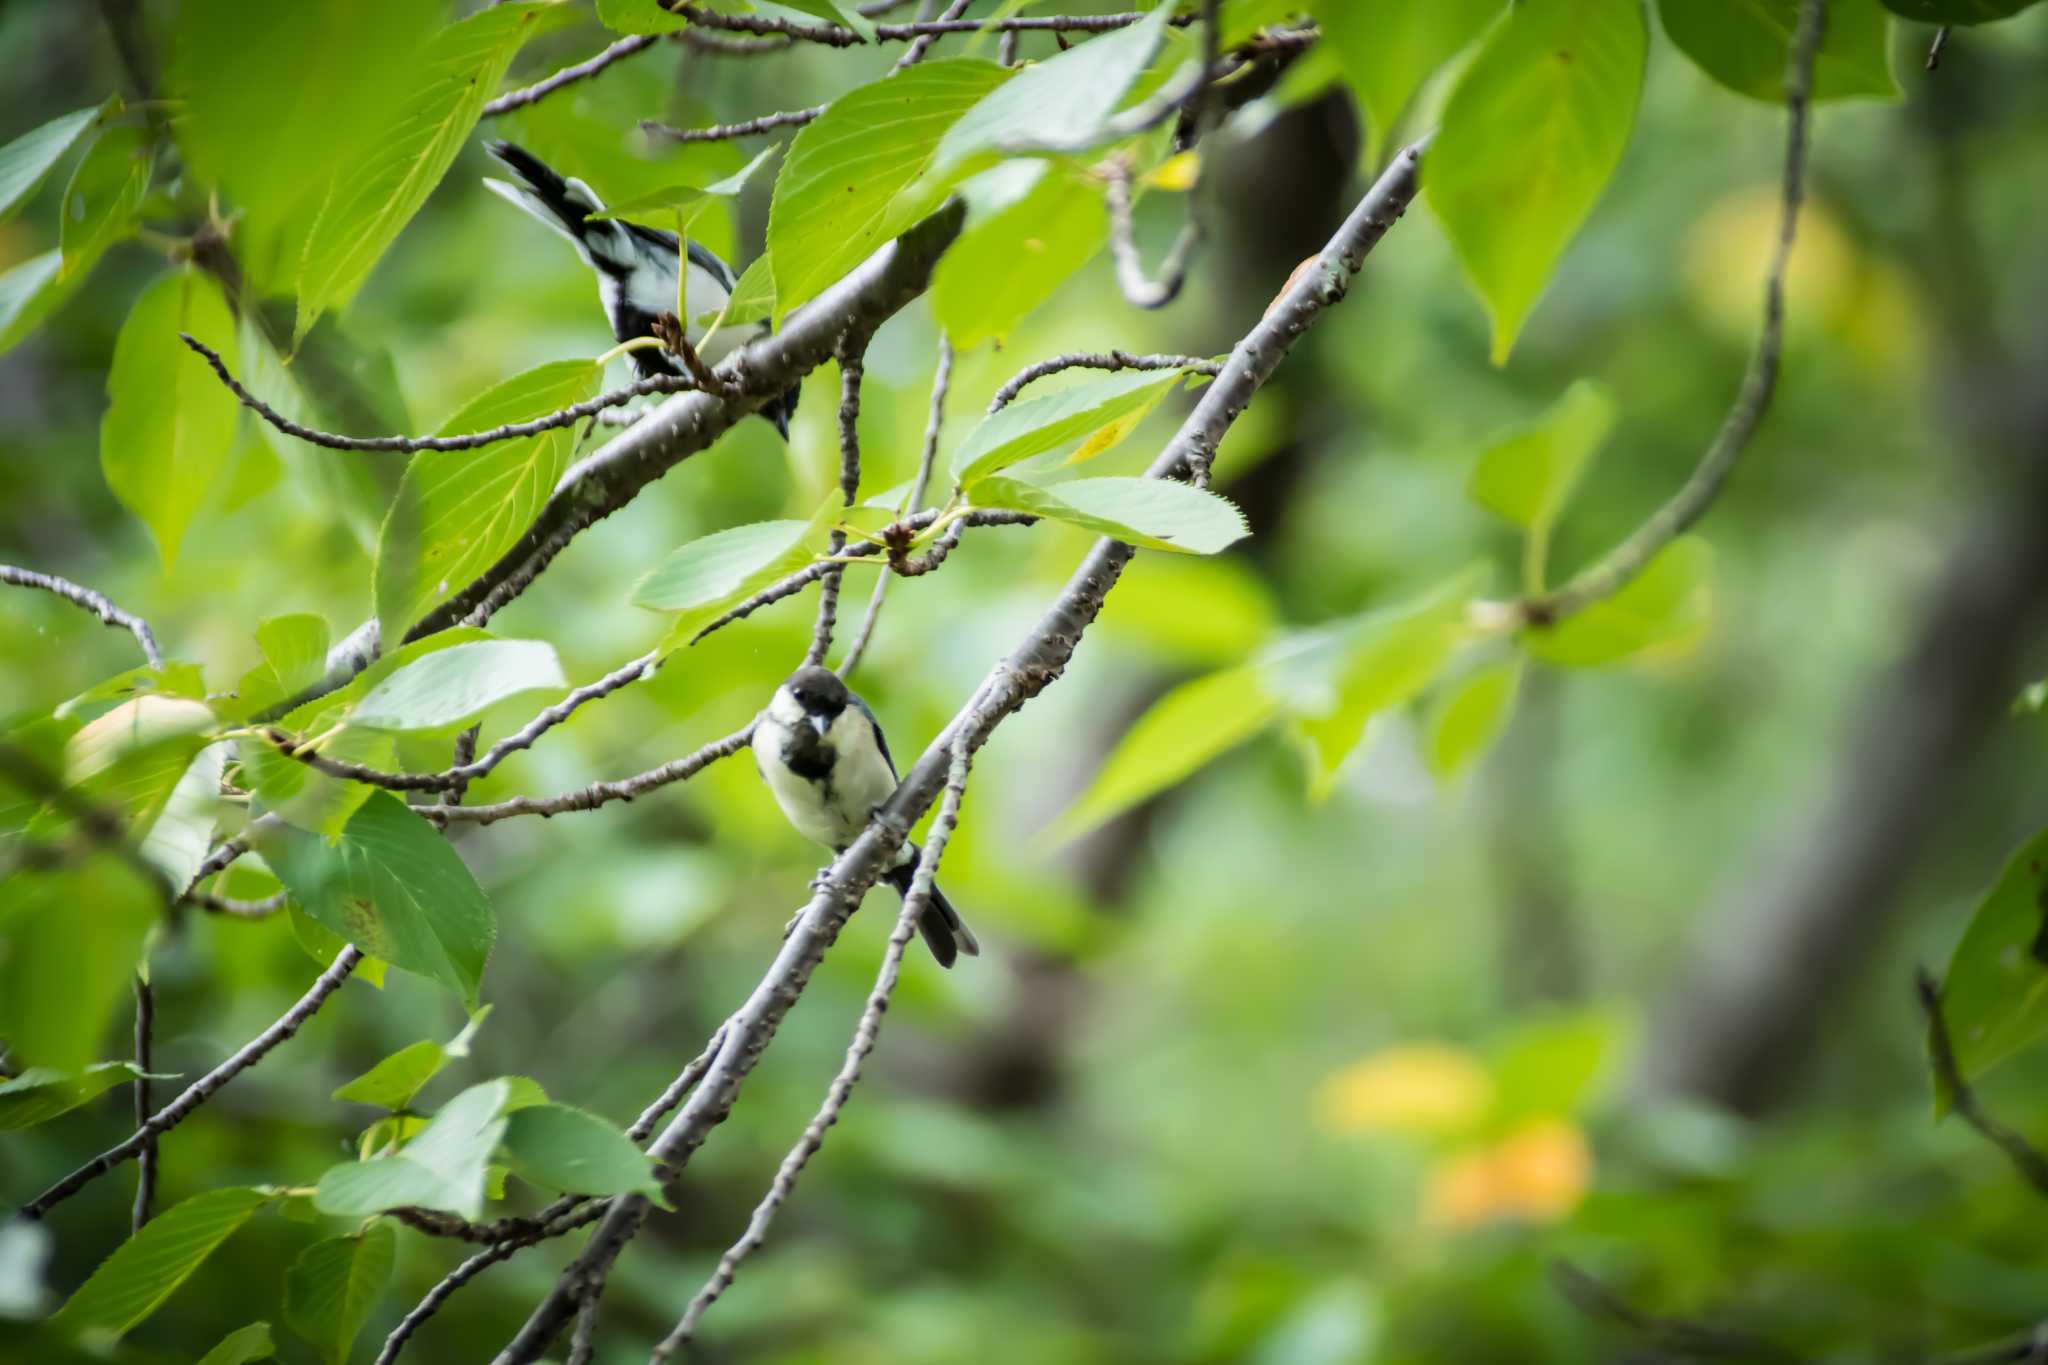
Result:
<point x="833" y="35"/>
<point x="1621" y="564"/>
<point x="597" y="794"/>
<point x="841" y="1089"/>
<point x="145" y="1026"/>
<point x="720" y="132"/>
<point x="569" y="75"/>
<point x="203" y="1089"/>
<point x="1099" y="360"/>
<point x="1035" y="664"/>
<point x="566" y="417"/>
<point x="462" y="774"/>
<point x="852" y="365"/>
<point x="93" y="602"/>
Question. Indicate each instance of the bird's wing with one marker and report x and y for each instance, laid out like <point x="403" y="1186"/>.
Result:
<point x="881" y="742"/>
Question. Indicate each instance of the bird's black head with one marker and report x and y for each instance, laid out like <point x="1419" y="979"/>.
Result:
<point x="817" y="690"/>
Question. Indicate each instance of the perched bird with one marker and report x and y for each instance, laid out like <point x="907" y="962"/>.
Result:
<point x="821" y="751"/>
<point x="636" y="266"/>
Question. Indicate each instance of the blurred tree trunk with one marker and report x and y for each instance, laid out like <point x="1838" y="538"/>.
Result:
<point x="1785" y="938"/>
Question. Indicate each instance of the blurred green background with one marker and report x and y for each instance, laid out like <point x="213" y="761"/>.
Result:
<point x="1239" y="1077"/>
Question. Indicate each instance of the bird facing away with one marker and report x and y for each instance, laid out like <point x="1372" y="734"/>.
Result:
<point x="821" y="751"/>
<point x="636" y="267"/>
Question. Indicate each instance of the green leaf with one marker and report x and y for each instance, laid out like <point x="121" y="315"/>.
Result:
<point x="331" y="1288"/>
<point x="323" y="945"/>
<point x="274" y="97"/>
<point x="837" y="12"/>
<point x="1469" y="717"/>
<point x="442" y="1168"/>
<point x="1004" y="267"/>
<point x="1531" y="134"/>
<point x="104" y="197"/>
<point x="703" y="576"/>
<point x="30" y="292"/>
<point x="1527" y="476"/>
<point x="673" y="199"/>
<point x="147" y="1268"/>
<point x="1995" y="996"/>
<point x="26" y="162"/>
<point x="638" y="16"/>
<point x="393" y="1082"/>
<point x="1156" y="514"/>
<point x="41" y="1093"/>
<point x="74" y="936"/>
<point x="449" y="688"/>
<point x="1556" y="1064"/>
<point x="854" y="176"/>
<point x="1339" y="678"/>
<point x="371" y="200"/>
<point x="1192" y="725"/>
<point x="458" y="511"/>
<point x="393" y="887"/>
<point x="752" y="299"/>
<point x="1957" y="11"/>
<point x="559" y="1148"/>
<point x="1060" y="103"/>
<point x="1745" y="45"/>
<point x="242" y="1346"/>
<point x="167" y="435"/>
<point x="148" y="761"/>
<point x="1388" y="50"/>
<point x="2032" y="700"/>
<point x="313" y="800"/>
<point x="1667" y="605"/>
<point x="182" y="833"/>
<point x="294" y="658"/>
<point x="1104" y="410"/>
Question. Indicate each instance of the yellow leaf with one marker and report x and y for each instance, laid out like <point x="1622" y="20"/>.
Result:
<point x="1176" y="174"/>
<point x="1427" y="1088"/>
<point x="1538" y="1173"/>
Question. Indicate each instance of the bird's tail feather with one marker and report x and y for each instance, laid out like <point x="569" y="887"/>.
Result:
<point x="562" y="203"/>
<point x="944" y="931"/>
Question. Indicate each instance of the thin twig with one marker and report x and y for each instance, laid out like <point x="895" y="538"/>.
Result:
<point x="834" y="35"/>
<point x="583" y="1338"/>
<point x="678" y="1089"/>
<point x="852" y="366"/>
<point x="1674" y="1336"/>
<point x="238" y="909"/>
<point x="1139" y="289"/>
<point x="1039" y="660"/>
<point x="721" y="132"/>
<point x="1099" y="360"/>
<point x="2025" y="1157"/>
<point x="841" y="1089"/>
<point x="566" y="417"/>
<point x="923" y="42"/>
<point x="597" y="794"/>
<point x="1937" y="47"/>
<point x="145" y="1026"/>
<point x="93" y="602"/>
<point x="568" y="75"/>
<point x="1621" y="564"/>
<point x="796" y="582"/>
<point x="460" y="776"/>
<point x="941" y="381"/>
<point x="203" y="1089"/>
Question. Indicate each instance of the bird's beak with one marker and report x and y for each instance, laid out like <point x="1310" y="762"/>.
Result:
<point x="820" y="723"/>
